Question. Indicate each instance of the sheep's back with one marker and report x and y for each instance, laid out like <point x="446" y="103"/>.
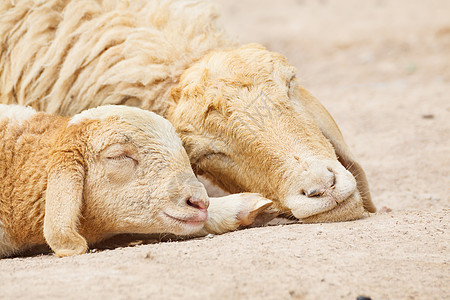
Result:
<point x="65" y="56"/>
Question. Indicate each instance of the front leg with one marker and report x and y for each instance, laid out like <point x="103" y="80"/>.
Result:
<point x="230" y="212"/>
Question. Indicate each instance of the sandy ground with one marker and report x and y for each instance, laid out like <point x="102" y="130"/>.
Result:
<point x="382" y="68"/>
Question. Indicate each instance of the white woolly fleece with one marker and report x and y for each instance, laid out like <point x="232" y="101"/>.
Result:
<point x="16" y="113"/>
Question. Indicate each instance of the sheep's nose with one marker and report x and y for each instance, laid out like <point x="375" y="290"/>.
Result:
<point x="197" y="203"/>
<point x="315" y="192"/>
<point x="326" y="182"/>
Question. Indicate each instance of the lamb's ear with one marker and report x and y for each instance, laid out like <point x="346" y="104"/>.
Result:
<point x="331" y="131"/>
<point x="63" y="202"/>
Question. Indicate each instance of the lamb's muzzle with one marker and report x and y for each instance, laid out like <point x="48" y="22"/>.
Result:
<point x="196" y="203"/>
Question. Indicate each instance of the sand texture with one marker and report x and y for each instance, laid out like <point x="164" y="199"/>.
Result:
<point x="382" y="69"/>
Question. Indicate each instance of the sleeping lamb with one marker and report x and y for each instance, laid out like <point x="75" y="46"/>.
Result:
<point x="109" y="170"/>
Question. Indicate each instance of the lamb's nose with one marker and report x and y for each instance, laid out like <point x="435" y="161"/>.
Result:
<point x="196" y="203"/>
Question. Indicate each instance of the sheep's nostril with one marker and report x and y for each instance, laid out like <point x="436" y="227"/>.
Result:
<point x="333" y="178"/>
<point x="314" y="193"/>
<point x="196" y="203"/>
<point x="333" y="182"/>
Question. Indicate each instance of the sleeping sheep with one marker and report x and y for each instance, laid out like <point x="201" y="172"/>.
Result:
<point x="109" y="170"/>
<point x="243" y="118"/>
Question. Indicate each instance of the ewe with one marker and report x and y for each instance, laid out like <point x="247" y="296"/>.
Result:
<point x="243" y="118"/>
<point x="108" y="170"/>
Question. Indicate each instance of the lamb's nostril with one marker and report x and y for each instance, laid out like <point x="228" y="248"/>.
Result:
<point x="196" y="203"/>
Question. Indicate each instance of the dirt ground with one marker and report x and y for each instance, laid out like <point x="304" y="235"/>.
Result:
<point x="382" y="69"/>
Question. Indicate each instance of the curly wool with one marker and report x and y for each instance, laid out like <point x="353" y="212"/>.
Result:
<point x="63" y="56"/>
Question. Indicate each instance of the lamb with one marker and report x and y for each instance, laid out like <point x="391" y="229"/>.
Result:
<point x="242" y="116"/>
<point x="113" y="169"/>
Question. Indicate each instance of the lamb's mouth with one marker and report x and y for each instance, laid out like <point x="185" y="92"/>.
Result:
<point x="198" y="220"/>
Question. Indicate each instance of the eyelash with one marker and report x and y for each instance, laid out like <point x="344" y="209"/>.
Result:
<point x="120" y="157"/>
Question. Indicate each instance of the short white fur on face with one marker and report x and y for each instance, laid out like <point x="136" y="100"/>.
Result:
<point x="133" y="115"/>
<point x="16" y="113"/>
<point x="149" y="121"/>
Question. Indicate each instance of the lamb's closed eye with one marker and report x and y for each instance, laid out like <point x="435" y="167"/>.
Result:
<point x="119" y="157"/>
<point x="120" y="153"/>
<point x="122" y="158"/>
<point x="120" y="162"/>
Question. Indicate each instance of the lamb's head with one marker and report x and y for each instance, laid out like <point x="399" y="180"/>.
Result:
<point x="248" y="126"/>
<point x="128" y="170"/>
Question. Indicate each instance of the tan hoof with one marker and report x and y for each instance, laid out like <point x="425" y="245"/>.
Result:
<point x="255" y="209"/>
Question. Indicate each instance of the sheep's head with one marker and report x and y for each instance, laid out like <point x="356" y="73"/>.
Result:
<point x="248" y="126"/>
<point x="128" y="171"/>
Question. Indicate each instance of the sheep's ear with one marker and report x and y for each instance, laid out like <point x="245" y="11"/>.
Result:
<point x="175" y="94"/>
<point x="331" y="131"/>
<point x="63" y="203"/>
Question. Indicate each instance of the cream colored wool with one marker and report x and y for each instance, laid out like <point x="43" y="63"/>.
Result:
<point x="245" y="122"/>
<point x="65" y="56"/>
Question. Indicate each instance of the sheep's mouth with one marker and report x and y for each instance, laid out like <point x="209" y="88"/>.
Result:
<point x="308" y="207"/>
<point x="334" y="204"/>
<point x="347" y="210"/>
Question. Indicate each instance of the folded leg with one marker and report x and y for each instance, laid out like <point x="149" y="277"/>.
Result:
<point x="230" y="212"/>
